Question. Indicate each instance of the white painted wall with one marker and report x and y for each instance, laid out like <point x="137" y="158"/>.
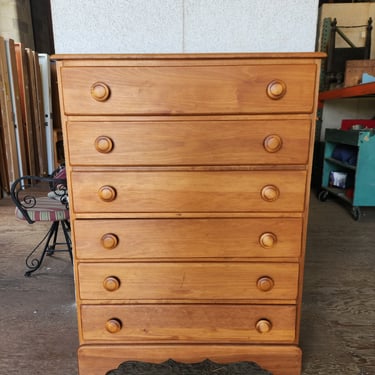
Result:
<point x="176" y="26"/>
<point x="343" y="109"/>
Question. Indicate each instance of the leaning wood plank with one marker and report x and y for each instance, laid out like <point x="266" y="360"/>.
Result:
<point x="7" y="118"/>
<point x="42" y="143"/>
<point x="33" y="107"/>
<point x="4" y="178"/>
<point x="56" y="118"/>
<point x="24" y="88"/>
<point x="45" y="74"/>
<point x="16" y="106"/>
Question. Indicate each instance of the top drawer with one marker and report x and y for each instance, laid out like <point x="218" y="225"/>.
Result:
<point x="184" y="89"/>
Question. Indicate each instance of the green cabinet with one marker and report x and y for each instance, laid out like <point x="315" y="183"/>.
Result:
<point x="349" y="167"/>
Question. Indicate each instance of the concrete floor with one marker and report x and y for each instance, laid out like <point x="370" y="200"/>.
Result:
<point x="38" y="325"/>
<point x="38" y="319"/>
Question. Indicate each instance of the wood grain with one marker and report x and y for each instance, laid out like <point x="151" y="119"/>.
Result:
<point x="188" y="179"/>
<point x="280" y="359"/>
<point x="200" y="191"/>
<point x="198" y="142"/>
<point x="189" y="323"/>
<point x="189" y="238"/>
<point x="187" y="89"/>
<point x="194" y="281"/>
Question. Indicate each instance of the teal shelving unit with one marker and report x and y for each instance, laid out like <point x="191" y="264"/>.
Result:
<point x="350" y="153"/>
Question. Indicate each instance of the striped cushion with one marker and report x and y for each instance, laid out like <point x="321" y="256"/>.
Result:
<point x="46" y="209"/>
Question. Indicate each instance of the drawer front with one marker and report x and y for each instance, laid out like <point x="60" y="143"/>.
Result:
<point x="189" y="143"/>
<point x="203" y="89"/>
<point x="188" y="323"/>
<point x="187" y="238"/>
<point x="188" y="191"/>
<point x="183" y="281"/>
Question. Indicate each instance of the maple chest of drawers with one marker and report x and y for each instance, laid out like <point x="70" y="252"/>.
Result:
<point x="189" y="188"/>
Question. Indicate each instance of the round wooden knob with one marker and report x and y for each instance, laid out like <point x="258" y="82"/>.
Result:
<point x="276" y="89"/>
<point x="263" y="326"/>
<point x="109" y="241"/>
<point x="103" y="144"/>
<point x="267" y="240"/>
<point x="265" y="283"/>
<point x="272" y="143"/>
<point x="111" y="283"/>
<point x="107" y="193"/>
<point x="270" y="193"/>
<point x="113" y="325"/>
<point x="100" y="91"/>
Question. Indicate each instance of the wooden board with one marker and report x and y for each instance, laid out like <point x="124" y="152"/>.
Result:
<point x="45" y="75"/>
<point x="354" y="70"/>
<point x="7" y="117"/>
<point x="4" y="179"/>
<point x="41" y="134"/>
<point x="33" y="106"/>
<point x="280" y="359"/>
<point x="59" y="157"/>
<point x="24" y="89"/>
<point x="16" y="106"/>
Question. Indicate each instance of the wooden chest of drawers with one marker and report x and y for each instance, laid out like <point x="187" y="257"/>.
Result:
<point x="189" y="184"/>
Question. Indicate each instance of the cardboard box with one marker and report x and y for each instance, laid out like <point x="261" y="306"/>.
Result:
<point x="354" y="70"/>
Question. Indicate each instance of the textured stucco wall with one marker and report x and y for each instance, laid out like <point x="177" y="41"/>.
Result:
<point x="162" y="26"/>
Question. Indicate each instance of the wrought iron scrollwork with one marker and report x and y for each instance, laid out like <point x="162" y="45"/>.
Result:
<point x="28" y="201"/>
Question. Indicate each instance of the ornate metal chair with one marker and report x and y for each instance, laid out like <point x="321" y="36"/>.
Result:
<point x="44" y="199"/>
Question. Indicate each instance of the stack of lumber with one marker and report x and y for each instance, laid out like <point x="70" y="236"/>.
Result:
<point x="24" y="119"/>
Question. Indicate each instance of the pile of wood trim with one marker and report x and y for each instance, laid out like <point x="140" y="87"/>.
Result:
<point x="24" y="114"/>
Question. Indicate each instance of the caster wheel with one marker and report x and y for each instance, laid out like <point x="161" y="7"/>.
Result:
<point x="356" y="213"/>
<point x="323" y="195"/>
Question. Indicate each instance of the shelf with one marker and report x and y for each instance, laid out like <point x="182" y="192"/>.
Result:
<point x="365" y="89"/>
<point x="341" y="193"/>
<point x="340" y="163"/>
<point x="361" y="177"/>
